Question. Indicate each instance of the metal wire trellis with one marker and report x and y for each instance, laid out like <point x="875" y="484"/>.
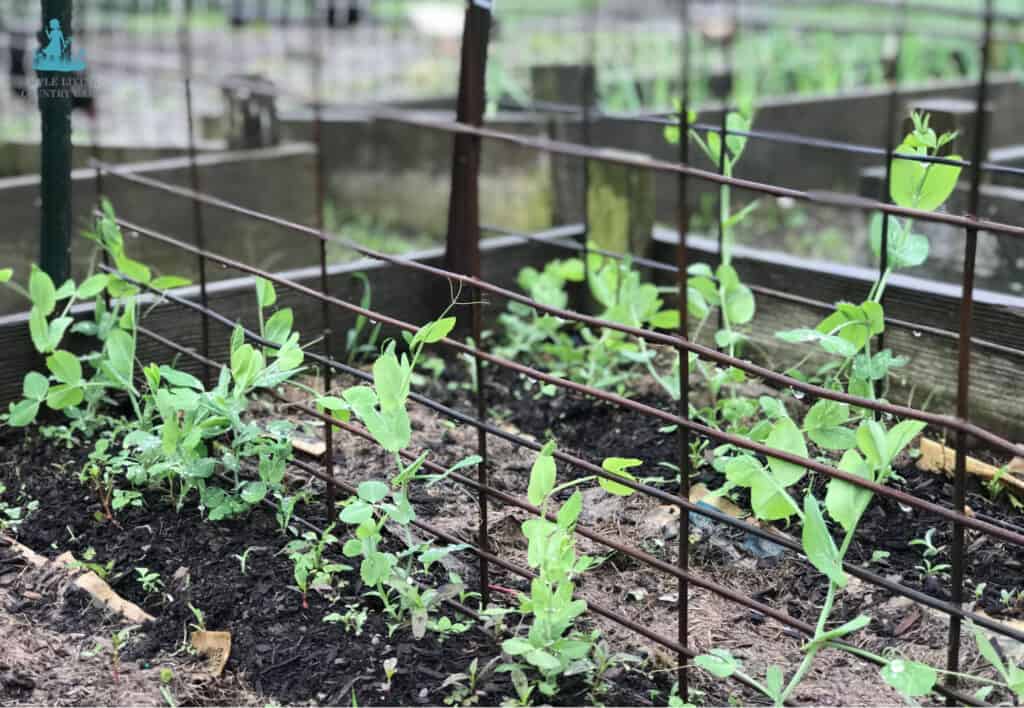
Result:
<point x="463" y="267"/>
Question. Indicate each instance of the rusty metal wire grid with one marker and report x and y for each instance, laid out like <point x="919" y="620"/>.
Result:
<point x="462" y="266"/>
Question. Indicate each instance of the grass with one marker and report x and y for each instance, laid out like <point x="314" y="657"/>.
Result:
<point x="368" y="231"/>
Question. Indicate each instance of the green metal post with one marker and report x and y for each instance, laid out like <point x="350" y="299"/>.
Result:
<point x="55" y="183"/>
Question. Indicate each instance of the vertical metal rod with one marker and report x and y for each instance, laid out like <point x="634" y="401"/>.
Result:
<point x="891" y="62"/>
<point x="588" y="90"/>
<point x="97" y="155"/>
<point x="55" y="153"/>
<point x="725" y="96"/>
<point x="316" y="48"/>
<point x="964" y="356"/>
<point x="462" y="249"/>
<point x="193" y="169"/>
<point x="682" y="263"/>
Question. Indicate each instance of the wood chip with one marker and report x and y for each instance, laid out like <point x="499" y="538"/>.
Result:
<point x="88" y="581"/>
<point x="907" y="622"/>
<point x="215" y="646"/>
<point x="313" y="448"/>
<point x="936" y="457"/>
<point x="103" y="594"/>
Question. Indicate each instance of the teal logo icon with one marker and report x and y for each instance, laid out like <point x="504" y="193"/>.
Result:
<point x="56" y="55"/>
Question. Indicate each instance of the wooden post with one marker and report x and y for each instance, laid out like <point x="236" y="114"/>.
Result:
<point x="55" y="100"/>
<point x="462" y="251"/>
<point x="620" y="207"/>
<point x="569" y="85"/>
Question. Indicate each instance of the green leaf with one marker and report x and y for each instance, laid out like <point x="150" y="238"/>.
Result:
<point x="796" y="336"/>
<point x="718" y="662"/>
<point x="666" y="319"/>
<point x="23" y="413"/>
<point x="133" y="270"/>
<point x="835" y="438"/>
<point x="376" y="567"/>
<point x="542" y="477"/>
<point x="725" y="338"/>
<point x="920" y="185"/>
<point x="989" y="652"/>
<point x="787" y="437"/>
<point x="254" y="492"/>
<point x="39" y="330"/>
<point x="65" y="367"/>
<point x="41" y="290"/>
<point x="237" y="337"/>
<point x="65" y="291"/>
<point x="939" y="183"/>
<point x="739" y="306"/>
<point x="846" y="502"/>
<point x="265" y="293"/>
<point x="516" y="646"/>
<point x="92" y="286"/>
<point x="542" y="660"/>
<point x="435" y="331"/>
<point x="618" y="466"/>
<point x="824" y="425"/>
<point x="768" y="496"/>
<point x="6" y="274"/>
<point x="773" y="683"/>
<point x="373" y="491"/>
<point x="390" y="382"/>
<point x="180" y="379"/>
<point x="391" y="431"/>
<point x="855" y="625"/>
<point x="905" y="249"/>
<point x="743" y="470"/>
<point x="900" y="435"/>
<point x="35" y="386"/>
<point x="570" y="511"/>
<point x="120" y="352"/>
<point x="64" y="396"/>
<point x="714" y="146"/>
<point x="818" y="543"/>
<point x="910" y="678"/>
<point x="871" y="440"/>
<point x="356" y="513"/>
<point x="826" y="414"/>
<point x="837" y="346"/>
<point x="706" y="287"/>
<point x="279" y="326"/>
<point x="169" y="282"/>
<point x="852" y="323"/>
<point x="735" y="143"/>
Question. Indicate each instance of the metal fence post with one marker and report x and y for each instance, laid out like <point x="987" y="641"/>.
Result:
<point x="462" y="251"/>
<point x="193" y="168"/>
<point x="891" y="62"/>
<point x="317" y="59"/>
<point x="682" y="263"/>
<point x="957" y="549"/>
<point x="55" y="154"/>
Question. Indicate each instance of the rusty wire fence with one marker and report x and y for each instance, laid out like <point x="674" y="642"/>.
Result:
<point x="463" y="267"/>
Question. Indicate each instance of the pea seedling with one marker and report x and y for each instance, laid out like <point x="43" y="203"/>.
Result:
<point x="553" y="646"/>
<point x="382" y="409"/>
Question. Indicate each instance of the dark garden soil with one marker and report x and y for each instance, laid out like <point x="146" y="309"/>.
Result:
<point x="286" y="653"/>
<point x="280" y="649"/>
<point x="594" y="430"/>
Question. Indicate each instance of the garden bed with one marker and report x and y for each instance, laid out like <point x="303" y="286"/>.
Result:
<point x="280" y="650"/>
